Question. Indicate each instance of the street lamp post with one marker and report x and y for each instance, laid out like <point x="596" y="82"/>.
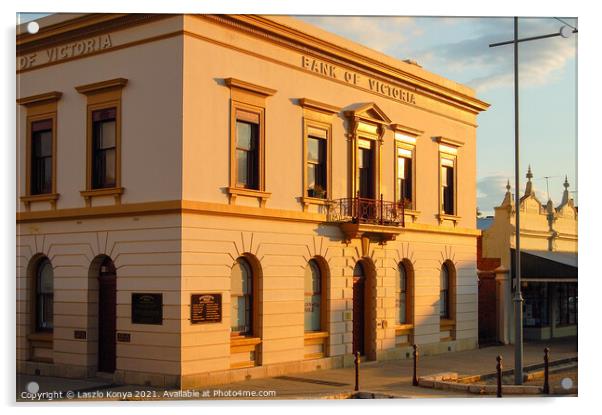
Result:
<point x="518" y="297"/>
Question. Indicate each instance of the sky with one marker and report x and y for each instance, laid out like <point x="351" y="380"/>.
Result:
<point x="457" y="48"/>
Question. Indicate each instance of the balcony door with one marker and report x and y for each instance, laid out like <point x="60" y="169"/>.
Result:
<point x="365" y="169"/>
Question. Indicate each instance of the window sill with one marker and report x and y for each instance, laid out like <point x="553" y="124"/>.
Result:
<point x="234" y="192"/>
<point x="41" y="338"/>
<point x="237" y="341"/>
<point x="307" y="200"/>
<point x="403" y="329"/>
<point x="241" y="344"/>
<point x="309" y="335"/>
<point x="444" y="216"/>
<point x="412" y="214"/>
<point x="47" y="197"/>
<point x="447" y="324"/>
<point x="110" y="191"/>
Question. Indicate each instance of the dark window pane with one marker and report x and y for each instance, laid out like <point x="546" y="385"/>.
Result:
<point x="41" y="125"/>
<point x="46" y="185"/>
<point x="41" y="157"/>
<point x="45" y="294"/>
<point x="316" y="167"/>
<point x="42" y="144"/>
<point x="247" y="155"/>
<point x="402" y="308"/>
<point x="444" y="293"/>
<point x="365" y="172"/>
<point x="447" y="179"/>
<point x="106" y="114"/>
<point x="408" y="179"/>
<point x="104" y="132"/>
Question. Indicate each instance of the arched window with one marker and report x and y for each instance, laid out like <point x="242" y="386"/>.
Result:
<point x="444" y="289"/>
<point x="44" y="296"/>
<point x="313" y="297"/>
<point x="402" y="299"/>
<point x="241" y="315"/>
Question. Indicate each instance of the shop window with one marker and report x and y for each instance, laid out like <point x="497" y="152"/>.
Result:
<point x="566" y="304"/>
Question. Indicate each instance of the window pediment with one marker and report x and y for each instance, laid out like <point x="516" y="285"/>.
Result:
<point x="369" y="112"/>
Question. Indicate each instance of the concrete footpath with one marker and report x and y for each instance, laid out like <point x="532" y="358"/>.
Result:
<point x="388" y="378"/>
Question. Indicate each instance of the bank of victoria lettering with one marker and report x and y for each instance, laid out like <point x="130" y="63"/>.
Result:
<point x="69" y="50"/>
<point x="354" y="78"/>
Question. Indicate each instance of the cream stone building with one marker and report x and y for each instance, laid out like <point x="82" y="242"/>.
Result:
<point x="207" y="198"/>
<point x="548" y="242"/>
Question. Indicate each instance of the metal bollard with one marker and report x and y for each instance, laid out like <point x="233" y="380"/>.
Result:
<point x="415" y="377"/>
<point x="546" y="371"/>
<point x="499" y="375"/>
<point x="357" y="371"/>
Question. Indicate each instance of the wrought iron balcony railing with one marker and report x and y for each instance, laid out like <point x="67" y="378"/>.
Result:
<point x="363" y="210"/>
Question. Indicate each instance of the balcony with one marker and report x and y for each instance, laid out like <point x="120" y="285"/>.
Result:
<point x="374" y="218"/>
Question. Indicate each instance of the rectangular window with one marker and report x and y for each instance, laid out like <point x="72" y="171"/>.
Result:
<point x="104" y="123"/>
<point x="247" y="154"/>
<point x="447" y="186"/>
<point x="40" y="149"/>
<point x="247" y="141"/>
<point x="404" y="179"/>
<point x="103" y="141"/>
<point x="316" y="167"/>
<point x="41" y="157"/>
<point x="566" y="304"/>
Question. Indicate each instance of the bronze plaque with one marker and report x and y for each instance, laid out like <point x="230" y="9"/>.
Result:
<point x="205" y="308"/>
<point x="123" y="337"/>
<point x="147" y="308"/>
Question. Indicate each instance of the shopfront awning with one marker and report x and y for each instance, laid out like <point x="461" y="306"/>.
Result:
<point x="546" y="266"/>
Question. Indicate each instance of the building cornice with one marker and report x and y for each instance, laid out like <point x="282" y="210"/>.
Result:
<point x="88" y="25"/>
<point x="81" y="27"/>
<point x="268" y="29"/>
<point x="206" y="208"/>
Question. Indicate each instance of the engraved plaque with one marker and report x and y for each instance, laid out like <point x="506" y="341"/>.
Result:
<point x="205" y="308"/>
<point x="147" y="308"/>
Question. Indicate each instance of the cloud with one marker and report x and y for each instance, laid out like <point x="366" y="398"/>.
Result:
<point x="379" y="33"/>
<point x="540" y="62"/>
<point x="490" y="192"/>
<point x="458" y="48"/>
